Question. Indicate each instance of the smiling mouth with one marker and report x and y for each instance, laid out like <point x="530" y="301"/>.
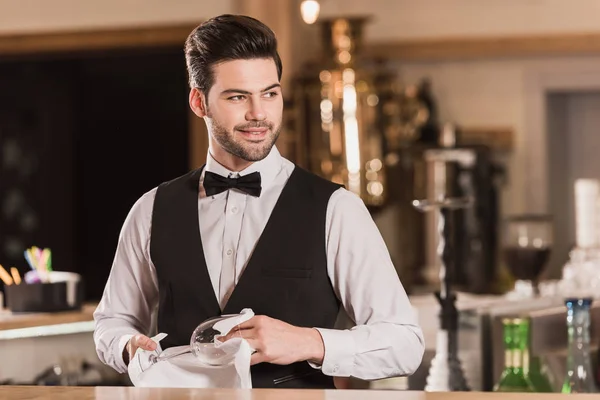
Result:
<point x="254" y="134"/>
<point x="254" y="131"/>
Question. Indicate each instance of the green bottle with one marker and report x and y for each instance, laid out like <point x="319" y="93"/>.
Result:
<point x="514" y="378"/>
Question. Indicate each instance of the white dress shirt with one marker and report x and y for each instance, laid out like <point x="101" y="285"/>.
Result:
<point x="386" y="339"/>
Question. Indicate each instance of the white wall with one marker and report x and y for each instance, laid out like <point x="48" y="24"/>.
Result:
<point x="57" y="15"/>
<point x="411" y="19"/>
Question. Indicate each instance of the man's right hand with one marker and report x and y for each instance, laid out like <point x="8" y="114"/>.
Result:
<point x="138" y="341"/>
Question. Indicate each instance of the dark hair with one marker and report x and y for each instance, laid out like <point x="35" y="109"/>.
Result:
<point x="225" y="38"/>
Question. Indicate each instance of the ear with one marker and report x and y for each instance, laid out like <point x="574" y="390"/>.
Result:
<point x="197" y="103"/>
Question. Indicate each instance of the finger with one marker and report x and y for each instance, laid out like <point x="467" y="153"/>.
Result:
<point x="145" y="343"/>
<point x="150" y="345"/>
<point x="246" y="325"/>
<point x="251" y="323"/>
<point x="248" y="333"/>
<point x="232" y="334"/>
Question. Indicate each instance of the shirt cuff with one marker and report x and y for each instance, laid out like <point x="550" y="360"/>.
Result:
<point x="339" y="352"/>
<point x="120" y="363"/>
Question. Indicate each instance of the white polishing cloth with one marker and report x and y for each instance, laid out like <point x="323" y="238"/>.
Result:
<point x="187" y="371"/>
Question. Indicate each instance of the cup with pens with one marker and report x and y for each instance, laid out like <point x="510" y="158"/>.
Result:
<point x="41" y="289"/>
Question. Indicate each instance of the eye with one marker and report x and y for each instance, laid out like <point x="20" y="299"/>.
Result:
<point x="271" y="94"/>
<point x="236" y="98"/>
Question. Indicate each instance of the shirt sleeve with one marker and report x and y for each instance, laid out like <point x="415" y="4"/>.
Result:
<point x="386" y="340"/>
<point x="131" y="292"/>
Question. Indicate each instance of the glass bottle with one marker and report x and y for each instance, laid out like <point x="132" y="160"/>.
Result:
<point x="580" y="377"/>
<point x="514" y="378"/>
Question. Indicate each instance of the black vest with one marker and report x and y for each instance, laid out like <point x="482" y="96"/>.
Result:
<point x="285" y="278"/>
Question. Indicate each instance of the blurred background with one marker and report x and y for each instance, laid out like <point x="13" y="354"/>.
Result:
<point x="400" y="100"/>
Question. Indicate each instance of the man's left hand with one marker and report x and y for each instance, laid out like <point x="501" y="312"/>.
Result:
<point x="278" y="342"/>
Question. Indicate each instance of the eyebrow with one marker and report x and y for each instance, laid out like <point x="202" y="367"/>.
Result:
<point x="240" y="91"/>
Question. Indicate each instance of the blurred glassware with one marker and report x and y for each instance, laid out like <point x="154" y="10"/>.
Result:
<point x="580" y="376"/>
<point x="527" y="241"/>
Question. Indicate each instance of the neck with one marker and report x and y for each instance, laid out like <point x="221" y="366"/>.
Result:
<point x="228" y="160"/>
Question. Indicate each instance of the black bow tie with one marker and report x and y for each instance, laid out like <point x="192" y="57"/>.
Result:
<point x="215" y="184"/>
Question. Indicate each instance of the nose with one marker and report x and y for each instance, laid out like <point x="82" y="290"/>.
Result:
<point x="256" y="112"/>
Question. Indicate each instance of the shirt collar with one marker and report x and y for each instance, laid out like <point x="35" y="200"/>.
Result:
<point x="268" y="167"/>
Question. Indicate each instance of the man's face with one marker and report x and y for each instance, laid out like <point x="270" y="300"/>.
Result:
<point x="244" y="108"/>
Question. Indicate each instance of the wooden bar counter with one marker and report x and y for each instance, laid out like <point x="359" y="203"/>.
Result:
<point x="9" y="321"/>
<point x="130" y="393"/>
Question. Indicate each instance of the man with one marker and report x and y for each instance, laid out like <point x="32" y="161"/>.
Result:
<point x="251" y="230"/>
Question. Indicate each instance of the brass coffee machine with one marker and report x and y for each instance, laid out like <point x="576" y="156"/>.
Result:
<point x="348" y="111"/>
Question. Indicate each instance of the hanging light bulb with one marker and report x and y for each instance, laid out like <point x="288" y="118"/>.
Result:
<point x="310" y="11"/>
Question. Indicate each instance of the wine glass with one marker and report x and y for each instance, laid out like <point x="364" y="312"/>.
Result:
<point x="527" y="240"/>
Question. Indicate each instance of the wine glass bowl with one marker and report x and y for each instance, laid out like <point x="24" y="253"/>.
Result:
<point x="527" y="242"/>
<point x="202" y="342"/>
